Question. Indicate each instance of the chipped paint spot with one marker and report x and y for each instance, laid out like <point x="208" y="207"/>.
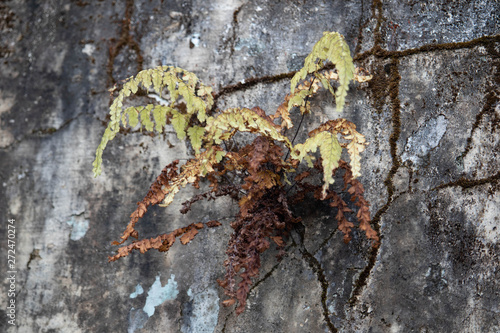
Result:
<point x="79" y="227"/>
<point x="138" y="291"/>
<point x="136" y="320"/>
<point x="88" y="49"/>
<point x="195" y="39"/>
<point x="158" y="294"/>
<point x="425" y="139"/>
<point x="203" y="312"/>
<point x="6" y="104"/>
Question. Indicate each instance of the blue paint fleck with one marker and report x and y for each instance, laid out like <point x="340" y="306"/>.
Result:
<point x="136" y="320"/>
<point x="425" y="139"/>
<point x="79" y="227"/>
<point x="138" y="291"/>
<point x="203" y="311"/>
<point x="158" y="294"/>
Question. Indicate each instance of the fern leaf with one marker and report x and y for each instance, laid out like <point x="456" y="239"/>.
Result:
<point x="331" y="47"/>
<point x="284" y="113"/>
<point x="179" y="122"/>
<point x="355" y="148"/>
<point x="190" y="173"/>
<point x="144" y="78"/>
<point x="298" y="99"/>
<point x="356" y="145"/>
<point x="178" y="82"/>
<point x="146" y="118"/>
<point x="160" y="115"/>
<point x="157" y="78"/>
<point x="325" y="82"/>
<point x="133" y="116"/>
<point x="219" y="155"/>
<point x="195" y="134"/>
<point x="112" y="129"/>
<point x="243" y="120"/>
<point x="330" y="150"/>
<point x="170" y="82"/>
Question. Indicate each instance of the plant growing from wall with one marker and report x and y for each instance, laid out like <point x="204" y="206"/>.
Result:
<point x="261" y="172"/>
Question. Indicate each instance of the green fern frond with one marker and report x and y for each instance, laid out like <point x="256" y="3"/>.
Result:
<point x="331" y="47"/>
<point x="195" y="134"/>
<point x="330" y="150"/>
<point x="356" y="145"/>
<point x="178" y="83"/>
<point x="228" y="122"/>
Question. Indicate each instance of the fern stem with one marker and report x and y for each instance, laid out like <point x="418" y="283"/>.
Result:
<point x="295" y="136"/>
<point x="300" y="123"/>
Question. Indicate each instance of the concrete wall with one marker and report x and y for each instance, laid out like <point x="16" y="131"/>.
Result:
<point x="431" y="171"/>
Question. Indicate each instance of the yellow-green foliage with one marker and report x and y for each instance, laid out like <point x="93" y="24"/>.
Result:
<point x="330" y="151"/>
<point x="225" y="125"/>
<point x="207" y="132"/>
<point x="331" y="47"/>
<point x="164" y="80"/>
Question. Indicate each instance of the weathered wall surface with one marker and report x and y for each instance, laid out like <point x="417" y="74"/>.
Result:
<point x="431" y="171"/>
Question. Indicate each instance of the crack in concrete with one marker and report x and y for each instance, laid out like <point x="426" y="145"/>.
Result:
<point x="361" y="27"/>
<point x="240" y="86"/>
<point x="384" y="54"/>
<point x="225" y="321"/>
<point x="468" y="183"/>
<point x="52" y="130"/>
<point x="35" y="254"/>
<point x="315" y="266"/>
<point x="125" y="39"/>
<point x="44" y="131"/>
<point x="268" y="274"/>
<point x="325" y="241"/>
<point x="235" y="27"/>
<point x="491" y="99"/>
<point x="394" y="81"/>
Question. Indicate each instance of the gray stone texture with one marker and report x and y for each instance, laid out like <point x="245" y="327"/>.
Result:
<point x="431" y="172"/>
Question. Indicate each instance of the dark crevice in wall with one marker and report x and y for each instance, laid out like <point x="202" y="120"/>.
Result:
<point x="315" y="266"/>
<point x="268" y="274"/>
<point x="235" y="28"/>
<point x="52" y="130"/>
<point x="394" y="81"/>
<point x="35" y="254"/>
<point x="377" y="35"/>
<point x="362" y="26"/>
<point x="251" y="82"/>
<point x="384" y="54"/>
<point x="325" y="241"/>
<point x="225" y="321"/>
<point x="125" y="39"/>
<point x="43" y="131"/>
<point x="491" y="100"/>
<point x="468" y="183"/>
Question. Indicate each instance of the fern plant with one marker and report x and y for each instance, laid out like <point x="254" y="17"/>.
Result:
<point x="261" y="171"/>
